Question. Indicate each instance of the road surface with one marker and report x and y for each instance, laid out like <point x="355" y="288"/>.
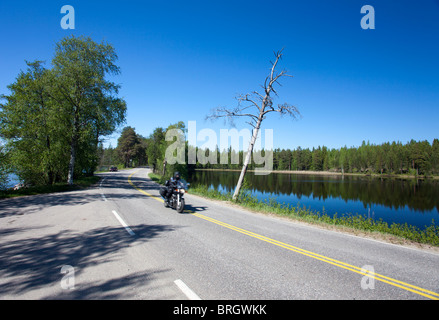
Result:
<point x="118" y="241"/>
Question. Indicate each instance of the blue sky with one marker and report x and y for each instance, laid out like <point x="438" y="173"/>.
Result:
<point x="180" y="59"/>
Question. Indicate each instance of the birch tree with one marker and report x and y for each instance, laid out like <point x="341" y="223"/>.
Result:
<point x="53" y="119"/>
<point x="255" y="107"/>
<point x="4" y="167"/>
<point x="32" y="127"/>
<point x="88" y="99"/>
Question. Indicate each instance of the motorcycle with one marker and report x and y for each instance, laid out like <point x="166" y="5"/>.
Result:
<point x="176" y="201"/>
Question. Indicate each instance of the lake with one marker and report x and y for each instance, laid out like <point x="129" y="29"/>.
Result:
<point x="411" y="201"/>
<point x="12" y="180"/>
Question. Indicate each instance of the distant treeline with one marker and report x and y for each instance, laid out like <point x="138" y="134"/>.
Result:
<point x="414" y="158"/>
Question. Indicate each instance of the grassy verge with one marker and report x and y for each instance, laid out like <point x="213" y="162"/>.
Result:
<point x="79" y="184"/>
<point x="429" y="235"/>
<point x="157" y="178"/>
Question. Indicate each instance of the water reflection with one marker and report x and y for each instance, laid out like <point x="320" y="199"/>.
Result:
<point x="394" y="200"/>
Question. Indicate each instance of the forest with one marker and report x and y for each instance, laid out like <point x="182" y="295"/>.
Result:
<point x="395" y="158"/>
<point x="413" y="157"/>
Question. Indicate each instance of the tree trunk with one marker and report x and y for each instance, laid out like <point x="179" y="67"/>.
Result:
<point x="73" y="145"/>
<point x="72" y="160"/>
<point x="164" y="167"/>
<point x="247" y="158"/>
<point x="266" y="102"/>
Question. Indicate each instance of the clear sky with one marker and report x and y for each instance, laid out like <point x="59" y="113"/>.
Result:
<point x="180" y="59"/>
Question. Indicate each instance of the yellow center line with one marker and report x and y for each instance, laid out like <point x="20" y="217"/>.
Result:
<point x="396" y="283"/>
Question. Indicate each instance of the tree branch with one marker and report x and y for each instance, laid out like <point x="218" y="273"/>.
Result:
<point x="264" y="104"/>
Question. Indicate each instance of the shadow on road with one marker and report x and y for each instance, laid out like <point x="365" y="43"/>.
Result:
<point x="114" y="289"/>
<point x="188" y="209"/>
<point x="30" y="204"/>
<point x="119" y="180"/>
<point x="33" y="263"/>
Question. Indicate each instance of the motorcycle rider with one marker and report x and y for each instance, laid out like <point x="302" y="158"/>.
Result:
<point x="170" y="185"/>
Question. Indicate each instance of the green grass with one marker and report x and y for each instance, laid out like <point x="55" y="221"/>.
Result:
<point x="79" y="184"/>
<point x="157" y="178"/>
<point x="429" y="235"/>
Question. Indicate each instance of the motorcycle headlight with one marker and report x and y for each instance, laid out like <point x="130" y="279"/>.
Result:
<point x="182" y="191"/>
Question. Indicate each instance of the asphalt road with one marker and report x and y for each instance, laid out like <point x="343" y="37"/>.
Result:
<point x="118" y="241"/>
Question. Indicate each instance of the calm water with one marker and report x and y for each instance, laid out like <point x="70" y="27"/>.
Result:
<point x="393" y="200"/>
<point x="12" y="181"/>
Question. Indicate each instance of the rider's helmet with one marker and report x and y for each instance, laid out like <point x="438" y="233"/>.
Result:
<point x="177" y="175"/>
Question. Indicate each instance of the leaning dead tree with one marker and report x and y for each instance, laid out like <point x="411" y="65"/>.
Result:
<point x="255" y="107"/>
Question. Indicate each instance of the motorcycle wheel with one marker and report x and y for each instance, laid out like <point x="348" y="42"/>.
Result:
<point x="165" y="203"/>
<point x="180" y="208"/>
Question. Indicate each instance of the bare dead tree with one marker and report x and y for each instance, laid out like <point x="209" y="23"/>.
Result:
<point x="255" y="107"/>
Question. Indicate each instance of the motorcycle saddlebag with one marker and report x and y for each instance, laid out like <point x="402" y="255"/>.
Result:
<point x="163" y="192"/>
